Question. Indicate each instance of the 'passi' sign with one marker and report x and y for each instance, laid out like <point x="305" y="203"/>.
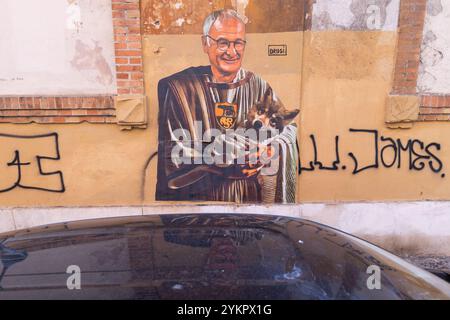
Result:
<point x="278" y="50"/>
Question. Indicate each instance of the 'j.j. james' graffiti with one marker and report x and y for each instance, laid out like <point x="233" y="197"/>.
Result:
<point x="23" y="160"/>
<point x="387" y="152"/>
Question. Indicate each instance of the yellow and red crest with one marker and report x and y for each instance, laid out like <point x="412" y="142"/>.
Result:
<point x="226" y="114"/>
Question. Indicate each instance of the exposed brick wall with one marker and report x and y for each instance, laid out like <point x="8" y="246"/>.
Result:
<point x="410" y="36"/>
<point x="128" y="45"/>
<point x="411" y="23"/>
<point x="94" y="109"/>
<point x="434" y="108"/>
<point x="57" y="109"/>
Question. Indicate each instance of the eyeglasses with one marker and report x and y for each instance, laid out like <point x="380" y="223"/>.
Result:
<point x="224" y="44"/>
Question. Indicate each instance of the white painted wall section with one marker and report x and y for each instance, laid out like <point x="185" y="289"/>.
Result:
<point x="56" y="47"/>
<point x="434" y="72"/>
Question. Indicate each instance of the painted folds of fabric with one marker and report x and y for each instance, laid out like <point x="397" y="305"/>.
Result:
<point x="188" y="122"/>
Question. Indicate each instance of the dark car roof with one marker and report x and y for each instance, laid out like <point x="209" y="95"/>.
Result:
<point x="204" y="256"/>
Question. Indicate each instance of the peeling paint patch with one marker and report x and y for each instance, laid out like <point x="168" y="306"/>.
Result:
<point x="179" y="22"/>
<point x="73" y="20"/>
<point x="434" y="69"/>
<point x="178" y="5"/>
<point x="357" y="15"/>
<point x="177" y="16"/>
<point x="240" y="6"/>
<point x="186" y="16"/>
<point x="434" y="7"/>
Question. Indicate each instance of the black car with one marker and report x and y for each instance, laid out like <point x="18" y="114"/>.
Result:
<point x="204" y="256"/>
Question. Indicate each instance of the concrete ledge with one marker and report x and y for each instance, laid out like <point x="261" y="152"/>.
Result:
<point x="406" y="228"/>
<point x="6" y="220"/>
<point x="31" y="217"/>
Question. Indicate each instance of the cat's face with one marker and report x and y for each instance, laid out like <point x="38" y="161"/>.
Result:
<point x="269" y="114"/>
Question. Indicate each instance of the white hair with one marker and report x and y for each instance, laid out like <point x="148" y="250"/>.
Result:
<point x="220" y="14"/>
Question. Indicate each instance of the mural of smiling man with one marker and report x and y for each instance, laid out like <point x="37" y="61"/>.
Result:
<point x="217" y="123"/>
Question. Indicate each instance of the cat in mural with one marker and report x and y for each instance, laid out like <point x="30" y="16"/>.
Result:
<point x="271" y="116"/>
<point x="270" y="113"/>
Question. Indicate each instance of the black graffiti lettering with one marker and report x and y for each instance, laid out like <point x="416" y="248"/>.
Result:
<point x="310" y="168"/>
<point x="434" y="157"/>
<point x="16" y="162"/>
<point x="401" y="148"/>
<point x="317" y="162"/>
<point x="334" y="166"/>
<point x="392" y="145"/>
<point x="415" y="157"/>
<point x="311" y="163"/>
<point x="418" y="153"/>
<point x="387" y="153"/>
<point x="375" y="165"/>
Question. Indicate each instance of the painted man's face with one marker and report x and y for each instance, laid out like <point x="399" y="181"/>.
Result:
<point x="224" y="60"/>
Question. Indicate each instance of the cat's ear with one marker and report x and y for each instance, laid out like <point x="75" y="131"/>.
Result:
<point x="268" y="96"/>
<point x="290" y="114"/>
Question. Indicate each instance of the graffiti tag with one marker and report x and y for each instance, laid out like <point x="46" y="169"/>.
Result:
<point x="17" y="166"/>
<point x="387" y="153"/>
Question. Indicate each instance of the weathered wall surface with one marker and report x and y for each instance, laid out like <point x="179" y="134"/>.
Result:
<point x="339" y="78"/>
<point x="99" y="165"/>
<point x="346" y="79"/>
<point x="355" y="15"/>
<point x="186" y="16"/>
<point x="434" y="72"/>
<point x="54" y="47"/>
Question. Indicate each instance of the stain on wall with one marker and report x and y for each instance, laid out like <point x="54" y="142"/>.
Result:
<point x="186" y="16"/>
<point x="434" y="69"/>
<point x="90" y="58"/>
<point x="177" y="16"/>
